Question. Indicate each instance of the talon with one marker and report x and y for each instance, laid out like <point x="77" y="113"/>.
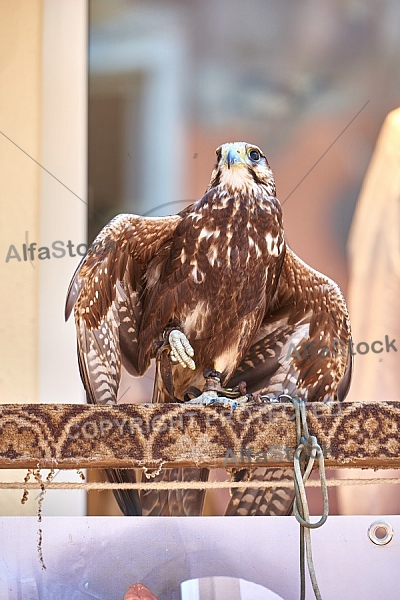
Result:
<point x="181" y="350"/>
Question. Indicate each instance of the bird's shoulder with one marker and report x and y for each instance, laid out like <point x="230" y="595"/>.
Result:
<point x="119" y="253"/>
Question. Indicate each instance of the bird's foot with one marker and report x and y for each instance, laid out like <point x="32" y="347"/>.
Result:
<point x="211" y="397"/>
<point x="214" y="393"/>
<point x="181" y="352"/>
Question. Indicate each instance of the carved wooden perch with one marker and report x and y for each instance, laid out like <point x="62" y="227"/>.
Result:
<point x="68" y="436"/>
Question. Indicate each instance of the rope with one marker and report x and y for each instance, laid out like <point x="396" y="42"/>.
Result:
<point x="307" y="451"/>
<point x="188" y="485"/>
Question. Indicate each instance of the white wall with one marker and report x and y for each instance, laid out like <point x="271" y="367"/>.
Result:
<point x="43" y="108"/>
<point x="63" y="212"/>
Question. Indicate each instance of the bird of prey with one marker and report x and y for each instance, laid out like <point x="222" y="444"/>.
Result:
<point x="219" y="287"/>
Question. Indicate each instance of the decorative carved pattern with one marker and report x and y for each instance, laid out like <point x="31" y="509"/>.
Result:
<point x="71" y="435"/>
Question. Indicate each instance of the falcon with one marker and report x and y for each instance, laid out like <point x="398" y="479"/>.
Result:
<point x="216" y="294"/>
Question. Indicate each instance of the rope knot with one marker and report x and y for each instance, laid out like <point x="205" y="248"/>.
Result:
<point x="307" y="451"/>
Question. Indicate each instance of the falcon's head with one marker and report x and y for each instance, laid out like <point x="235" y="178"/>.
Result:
<point x="243" y="168"/>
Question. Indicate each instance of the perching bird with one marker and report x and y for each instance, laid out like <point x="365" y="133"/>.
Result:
<point x="217" y="285"/>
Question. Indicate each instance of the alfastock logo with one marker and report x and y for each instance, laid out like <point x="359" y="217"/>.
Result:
<point x="58" y="249"/>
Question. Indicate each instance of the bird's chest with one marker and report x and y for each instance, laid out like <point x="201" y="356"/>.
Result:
<point x="228" y="256"/>
<point x="228" y="273"/>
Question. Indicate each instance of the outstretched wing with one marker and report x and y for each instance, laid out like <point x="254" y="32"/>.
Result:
<point x="107" y="292"/>
<point x="302" y="349"/>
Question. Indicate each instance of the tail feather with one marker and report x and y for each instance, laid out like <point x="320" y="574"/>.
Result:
<point x="262" y="501"/>
<point x="128" y="500"/>
<point x="175" y="503"/>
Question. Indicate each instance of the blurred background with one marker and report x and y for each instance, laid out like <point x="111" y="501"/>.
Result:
<point x="124" y="102"/>
<point x="171" y="81"/>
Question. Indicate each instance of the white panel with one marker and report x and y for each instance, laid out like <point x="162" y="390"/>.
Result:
<point x="102" y="557"/>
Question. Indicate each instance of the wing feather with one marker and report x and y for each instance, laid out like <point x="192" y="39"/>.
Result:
<point x="175" y="503"/>
<point x="303" y="344"/>
<point x="309" y="315"/>
<point x="106" y="292"/>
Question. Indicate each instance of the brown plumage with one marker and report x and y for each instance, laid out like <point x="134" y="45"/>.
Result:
<point x="221" y="273"/>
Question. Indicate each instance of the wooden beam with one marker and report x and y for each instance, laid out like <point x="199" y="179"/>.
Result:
<point x="68" y="436"/>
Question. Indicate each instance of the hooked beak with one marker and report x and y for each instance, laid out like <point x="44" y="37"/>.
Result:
<point x="232" y="158"/>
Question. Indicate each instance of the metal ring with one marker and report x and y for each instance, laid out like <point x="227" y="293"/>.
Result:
<point x="380" y="541"/>
<point x="286" y="396"/>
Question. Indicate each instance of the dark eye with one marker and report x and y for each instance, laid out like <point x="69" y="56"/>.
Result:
<point x="218" y="153"/>
<point x="254" y="155"/>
